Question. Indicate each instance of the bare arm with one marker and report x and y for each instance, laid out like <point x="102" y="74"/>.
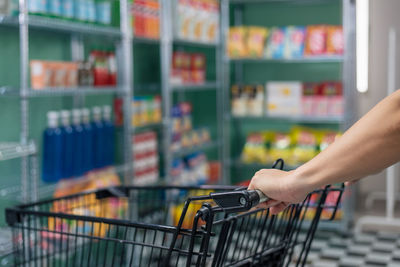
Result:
<point x="369" y="146"/>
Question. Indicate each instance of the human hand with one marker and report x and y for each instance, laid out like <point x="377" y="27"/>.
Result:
<point x="283" y="188"/>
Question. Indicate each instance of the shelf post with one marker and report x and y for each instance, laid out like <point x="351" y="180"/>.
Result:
<point x="126" y="67"/>
<point x="166" y="54"/>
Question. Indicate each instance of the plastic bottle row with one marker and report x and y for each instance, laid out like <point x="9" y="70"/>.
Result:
<point x="74" y="148"/>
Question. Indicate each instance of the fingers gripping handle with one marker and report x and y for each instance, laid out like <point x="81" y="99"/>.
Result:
<point x="237" y="201"/>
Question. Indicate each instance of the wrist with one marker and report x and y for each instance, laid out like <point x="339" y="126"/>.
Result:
<point x="308" y="177"/>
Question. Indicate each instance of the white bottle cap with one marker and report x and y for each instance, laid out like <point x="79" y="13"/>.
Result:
<point x="96" y="113"/>
<point x="76" y="116"/>
<point x="52" y="119"/>
<point x="107" y="113"/>
<point x="85" y="115"/>
<point x="65" y="115"/>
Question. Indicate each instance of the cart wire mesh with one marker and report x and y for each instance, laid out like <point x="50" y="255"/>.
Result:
<point x="164" y="226"/>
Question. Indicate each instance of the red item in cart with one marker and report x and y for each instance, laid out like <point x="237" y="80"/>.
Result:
<point x="315" y="40"/>
<point x="335" y="40"/>
<point x="198" y="68"/>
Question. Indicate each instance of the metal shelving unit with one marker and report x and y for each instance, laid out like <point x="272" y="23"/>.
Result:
<point x="120" y="36"/>
<point x="167" y="41"/>
<point x="348" y="77"/>
<point x="203" y="147"/>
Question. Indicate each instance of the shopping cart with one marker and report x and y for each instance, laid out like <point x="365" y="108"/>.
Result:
<point x="166" y="226"/>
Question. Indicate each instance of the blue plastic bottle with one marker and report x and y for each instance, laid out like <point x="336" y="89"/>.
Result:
<point x="77" y="161"/>
<point x="52" y="149"/>
<point x="109" y="136"/>
<point x="98" y="138"/>
<point x="87" y="141"/>
<point x="68" y="145"/>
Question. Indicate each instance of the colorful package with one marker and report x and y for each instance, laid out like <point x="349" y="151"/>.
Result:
<point x="177" y="67"/>
<point x="308" y="102"/>
<point x="335" y="40"/>
<point x="255" y="102"/>
<point x="280" y="146"/>
<point x="305" y="145"/>
<point x="275" y="44"/>
<point x="254" y="150"/>
<point x="294" y="41"/>
<point x="315" y="40"/>
<point x="284" y="98"/>
<point x="239" y="101"/>
<point x="198" y="68"/>
<point x="236" y="44"/>
<point x="256" y="37"/>
<point x="333" y="92"/>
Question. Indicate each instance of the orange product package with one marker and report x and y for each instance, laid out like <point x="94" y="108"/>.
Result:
<point x="256" y="37"/>
<point x="316" y="40"/>
<point x="236" y="42"/>
<point x="41" y="75"/>
<point x="335" y="40"/>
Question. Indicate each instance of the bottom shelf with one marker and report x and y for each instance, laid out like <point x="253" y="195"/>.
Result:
<point x="240" y="164"/>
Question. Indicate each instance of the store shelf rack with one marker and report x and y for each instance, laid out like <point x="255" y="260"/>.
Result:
<point x="167" y="42"/>
<point x="293" y="119"/>
<point x="60" y="25"/>
<point x="16" y="150"/>
<point x="120" y="36"/>
<point x="203" y="147"/>
<point x="347" y="62"/>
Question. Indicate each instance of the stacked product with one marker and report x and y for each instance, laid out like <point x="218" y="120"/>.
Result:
<point x="191" y="170"/>
<point x="288" y="99"/>
<point x="146" y="18"/>
<point x="295" y="147"/>
<point x="99" y="70"/>
<point x="295" y="99"/>
<point x="285" y="42"/>
<point x="188" y="68"/>
<point x="146" y="110"/>
<point x="183" y="134"/>
<point x="145" y="158"/>
<point x="197" y="20"/>
<point x="93" y="11"/>
<point x="72" y="149"/>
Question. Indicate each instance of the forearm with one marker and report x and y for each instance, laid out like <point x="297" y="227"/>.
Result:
<point x="371" y="145"/>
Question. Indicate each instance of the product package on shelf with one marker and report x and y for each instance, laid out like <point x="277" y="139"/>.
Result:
<point x="284" y="98"/>
<point x="184" y="136"/>
<point x="146" y="110"/>
<point x="295" y="147"/>
<point x="247" y="100"/>
<point x="193" y="169"/>
<point x="188" y="68"/>
<point x="77" y="145"/>
<point x="145" y="158"/>
<point x="8" y="7"/>
<point x="275" y="45"/>
<point x="197" y="20"/>
<point x="99" y="70"/>
<point x="285" y="42"/>
<point x="146" y="18"/>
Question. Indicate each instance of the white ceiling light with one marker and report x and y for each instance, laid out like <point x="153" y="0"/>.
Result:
<point x="362" y="36"/>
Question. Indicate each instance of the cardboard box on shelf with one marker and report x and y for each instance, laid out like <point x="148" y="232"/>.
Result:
<point x="284" y="98"/>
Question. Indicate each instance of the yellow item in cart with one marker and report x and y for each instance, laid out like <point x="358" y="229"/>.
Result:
<point x="254" y="150"/>
<point x="305" y="145"/>
<point x="281" y="146"/>
<point x="256" y="37"/>
<point x="236" y="42"/>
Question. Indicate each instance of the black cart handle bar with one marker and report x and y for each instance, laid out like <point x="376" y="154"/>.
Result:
<point x="238" y="201"/>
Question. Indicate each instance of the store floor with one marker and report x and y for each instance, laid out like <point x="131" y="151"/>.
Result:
<point x="367" y="249"/>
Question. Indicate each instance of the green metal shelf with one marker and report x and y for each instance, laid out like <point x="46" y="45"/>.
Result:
<point x="52" y="92"/>
<point x="150" y="126"/>
<point x="203" y="147"/>
<point x="295" y="119"/>
<point x="313" y="59"/>
<point x="60" y="25"/>
<point x="180" y="41"/>
<point x="195" y="87"/>
<point x="11" y="150"/>
<point x="240" y="164"/>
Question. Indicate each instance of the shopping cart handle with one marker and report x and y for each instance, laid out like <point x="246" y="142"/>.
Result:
<point x="238" y="201"/>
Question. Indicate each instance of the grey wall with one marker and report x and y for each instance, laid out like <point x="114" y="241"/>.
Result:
<point x="383" y="15"/>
